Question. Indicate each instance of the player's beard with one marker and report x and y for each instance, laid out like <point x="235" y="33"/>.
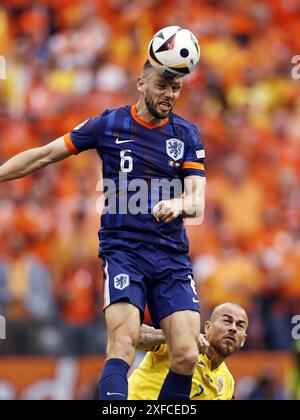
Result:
<point x="222" y="349"/>
<point x="153" y="111"/>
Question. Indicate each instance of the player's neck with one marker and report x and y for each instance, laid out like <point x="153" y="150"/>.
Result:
<point x="146" y="116"/>
<point x="215" y="358"/>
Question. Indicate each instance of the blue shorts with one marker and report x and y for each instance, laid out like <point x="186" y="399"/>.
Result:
<point x="142" y="273"/>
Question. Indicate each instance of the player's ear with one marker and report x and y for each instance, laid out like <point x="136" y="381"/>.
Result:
<point x="140" y="84"/>
<point x="207" y="326"/>
<point x="243" y="341"/>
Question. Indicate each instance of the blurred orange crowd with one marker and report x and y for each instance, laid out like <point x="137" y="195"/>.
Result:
<point x="68" y="60"/>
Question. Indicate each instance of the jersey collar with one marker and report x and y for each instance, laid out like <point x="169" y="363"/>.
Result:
<point x="145" y="123"/>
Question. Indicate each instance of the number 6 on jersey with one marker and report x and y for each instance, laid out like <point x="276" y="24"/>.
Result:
<point x="126" y="163"/>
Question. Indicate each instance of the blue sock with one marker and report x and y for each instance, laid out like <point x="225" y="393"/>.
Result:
<point x="113" y="383"/>
<point x="176" y="387"/>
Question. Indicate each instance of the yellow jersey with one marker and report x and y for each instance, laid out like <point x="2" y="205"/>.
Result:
<point x="146" y="381"/>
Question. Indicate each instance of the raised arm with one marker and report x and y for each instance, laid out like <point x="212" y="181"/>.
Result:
<point x="194" y="196"/>
<point x="189" y="205"/>
<point x="149" y="338"/>
<point x="31" y="160"/>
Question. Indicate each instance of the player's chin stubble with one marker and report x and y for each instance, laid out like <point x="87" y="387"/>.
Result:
<point x="151" y="108"/>
<point x="223" y="350"/>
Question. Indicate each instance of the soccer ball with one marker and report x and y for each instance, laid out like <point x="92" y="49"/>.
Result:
<point x="174" y="51"/>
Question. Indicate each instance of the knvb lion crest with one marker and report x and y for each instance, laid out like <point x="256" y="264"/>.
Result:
<point x="175" y="148"/>
<point x="121" y="281"/>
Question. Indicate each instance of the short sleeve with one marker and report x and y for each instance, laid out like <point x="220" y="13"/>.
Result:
<point x="85" y="136"/>
<point x="194" y="158"/>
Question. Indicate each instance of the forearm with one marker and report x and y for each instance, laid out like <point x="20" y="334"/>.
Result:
<point x="22" y="164"/>
<point x="150" y="337"/>
<point x="31" y="160"/>
<point x="192" y="207"/>
<point x="193" y="198"/>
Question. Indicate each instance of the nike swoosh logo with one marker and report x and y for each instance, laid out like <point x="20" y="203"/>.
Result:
<point x="195" y="300"/>
<point x="114" y="393"/>
<point x="122" y="141"/>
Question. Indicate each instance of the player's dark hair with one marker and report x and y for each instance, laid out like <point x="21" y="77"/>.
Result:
<point x="147" y="68"/>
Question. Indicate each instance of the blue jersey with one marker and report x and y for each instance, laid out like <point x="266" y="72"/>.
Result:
<point x="136" y="157"/>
